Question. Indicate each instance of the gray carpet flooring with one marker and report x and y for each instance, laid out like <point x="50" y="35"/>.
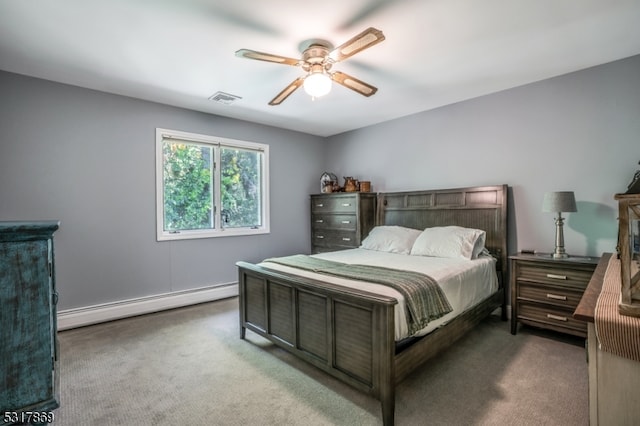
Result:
<point x="189" y="367"/>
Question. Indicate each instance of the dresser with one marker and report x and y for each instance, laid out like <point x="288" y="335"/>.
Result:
<point x="613" y="379"/>
<point x="29" y="385"/>
<point x="545" y="291"/>
<point x="341" y="220"/>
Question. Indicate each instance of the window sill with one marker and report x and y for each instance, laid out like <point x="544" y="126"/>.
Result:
<point x="228" y="232"/>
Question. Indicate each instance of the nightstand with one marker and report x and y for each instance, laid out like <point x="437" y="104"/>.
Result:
<point x="545" y="291"/>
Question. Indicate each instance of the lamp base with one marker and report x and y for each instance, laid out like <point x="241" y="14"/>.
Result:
<point x="559" y="252"/>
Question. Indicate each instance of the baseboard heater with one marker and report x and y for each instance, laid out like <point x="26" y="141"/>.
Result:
<point x="79" y="317"/>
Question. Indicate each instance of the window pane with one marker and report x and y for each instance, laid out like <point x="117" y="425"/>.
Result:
<point x="187" y="180"/>
<point x="240" y="191"/>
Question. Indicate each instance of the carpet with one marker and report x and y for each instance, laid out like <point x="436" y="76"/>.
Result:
<point x="188" y="366"/>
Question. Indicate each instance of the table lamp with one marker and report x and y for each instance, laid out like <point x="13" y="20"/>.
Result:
<point x="559" y="202"/>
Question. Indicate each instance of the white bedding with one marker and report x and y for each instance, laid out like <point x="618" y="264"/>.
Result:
<point x="464" y="282"/>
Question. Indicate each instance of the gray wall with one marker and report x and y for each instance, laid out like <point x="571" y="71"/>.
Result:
<point x="578" y="132"/>
<point x="87" y="159"/>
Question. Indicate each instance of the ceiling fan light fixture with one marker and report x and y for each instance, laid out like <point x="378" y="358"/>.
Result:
<point x="318" y="57"/>
<point x="317" y="84"/>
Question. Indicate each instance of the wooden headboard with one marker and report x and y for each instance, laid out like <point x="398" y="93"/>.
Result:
<point x="482" y="207"/>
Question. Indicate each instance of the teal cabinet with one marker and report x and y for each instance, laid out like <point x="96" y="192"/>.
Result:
<point x="28" y="343"/>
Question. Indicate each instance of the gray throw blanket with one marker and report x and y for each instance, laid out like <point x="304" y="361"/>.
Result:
<point x="425" y="300"/>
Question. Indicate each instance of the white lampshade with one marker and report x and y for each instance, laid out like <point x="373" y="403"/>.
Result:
<point x="317" y="84"/>
<point x="561" y="201"/>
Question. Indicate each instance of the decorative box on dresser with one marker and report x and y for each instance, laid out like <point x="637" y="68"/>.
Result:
<point x="29" y="384"/>
<point x="545" y="291"/>
<point x="341" y="220"/>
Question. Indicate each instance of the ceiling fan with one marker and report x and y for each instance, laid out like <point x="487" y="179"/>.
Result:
<point x="318" y="56"/>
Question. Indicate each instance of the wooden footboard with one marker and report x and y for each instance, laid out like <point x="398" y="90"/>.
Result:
<point x="345" y="332"/>
<point x="349" y="334"/>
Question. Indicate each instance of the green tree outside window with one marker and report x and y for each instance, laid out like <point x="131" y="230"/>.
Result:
<point x="188" y="187"/>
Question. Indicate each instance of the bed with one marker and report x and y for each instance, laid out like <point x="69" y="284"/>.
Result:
<point x="353" y="332"/>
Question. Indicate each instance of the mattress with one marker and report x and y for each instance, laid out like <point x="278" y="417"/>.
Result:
<point x="464" y="282"/>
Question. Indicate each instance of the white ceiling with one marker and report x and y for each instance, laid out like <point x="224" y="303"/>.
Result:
<point x="436" y="52"/>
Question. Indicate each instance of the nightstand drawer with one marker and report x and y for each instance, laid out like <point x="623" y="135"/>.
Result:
<point x="334" y="204"/>
<point x="335" y="238"/>
<point x="556" y="276"/>
<point x="550" y="317"/>
<point x="337" y="221"/>
<point x="545" y="291"/>
<point x="553" y="295"/>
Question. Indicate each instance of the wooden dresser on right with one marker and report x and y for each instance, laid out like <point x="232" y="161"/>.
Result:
<point x="613" y="378"/>
<point x="545" y="291"/>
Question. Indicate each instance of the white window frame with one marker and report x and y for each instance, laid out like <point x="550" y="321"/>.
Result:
<point x="216" y="142"/>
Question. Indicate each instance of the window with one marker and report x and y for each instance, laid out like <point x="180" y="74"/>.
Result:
<point x="210" y="187"/>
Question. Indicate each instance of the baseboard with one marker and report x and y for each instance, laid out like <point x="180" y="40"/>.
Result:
<point x="79" y="317"/>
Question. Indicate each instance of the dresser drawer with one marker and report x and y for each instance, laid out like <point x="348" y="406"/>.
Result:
<point x="345" y="239"/>
<point x="551" y="318"/>
<point x="334" y="221"/>
<point x="574" y="276"/>
<point x="558" y="296"/>
<point x="334" y="204"/>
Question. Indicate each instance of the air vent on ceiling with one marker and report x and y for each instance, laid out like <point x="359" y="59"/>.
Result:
<point x="224" y="98"/>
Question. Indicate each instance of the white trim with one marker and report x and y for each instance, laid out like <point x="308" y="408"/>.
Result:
<point x="79" y="317"/>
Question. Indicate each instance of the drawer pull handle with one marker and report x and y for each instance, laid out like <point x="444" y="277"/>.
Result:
<point x="557" y="277"/>
<point x="319" y="221"/>
<point x="346" y="239"/>
<point x="320" y="237"/>
<point x="556" y="317"/>
<point x="319" y="205"/>
<point x="556" y="296"/>
<point x="346" y="205"/>
<point x="346" y="221"/>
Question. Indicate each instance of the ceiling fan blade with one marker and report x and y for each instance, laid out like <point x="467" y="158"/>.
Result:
<point x="362" y="41"/>
<point x="354" y="84"/>
<point x="287" y="91"/>
<point x="268" y="57"/>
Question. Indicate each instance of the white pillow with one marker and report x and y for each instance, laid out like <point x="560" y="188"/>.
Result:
<point x="392" y="239"/>
<point x="450" y="241"/>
